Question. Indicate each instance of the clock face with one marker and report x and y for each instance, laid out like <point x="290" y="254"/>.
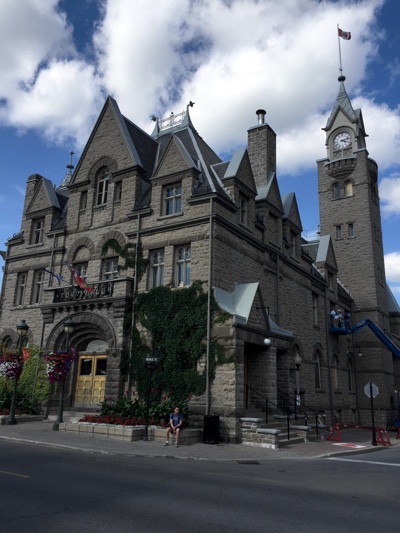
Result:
<point x="342" y="140"/>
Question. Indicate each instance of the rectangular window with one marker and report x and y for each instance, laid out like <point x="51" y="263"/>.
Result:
<point x="338" y="232"/>
<point x="292" y="244"/>
<point x="38" y="285"/>
<point x="183" y="258"/>
<point x="102" y="189"/>
<point x="83" y="200"/>
<point x="20" y="288"/>
<point x="118" y="191"/>
<point x="172" y="199"/>
<point x="243" y="209"/>
<point x="157" y="268"/>
<point x="37" y="231"/>
<point x="315" y="309"/>
<point x="81" y="269"/>
<point x="110" y="268"/>
<point x="350" y="230"/>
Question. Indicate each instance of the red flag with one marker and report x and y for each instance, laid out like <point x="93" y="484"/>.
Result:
<point x="80" y="281"/>
<point x="346" y="35"/>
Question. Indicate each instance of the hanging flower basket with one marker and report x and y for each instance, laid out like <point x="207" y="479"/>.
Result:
<point x="11" y="366"/>
<point x="59" y="364"/>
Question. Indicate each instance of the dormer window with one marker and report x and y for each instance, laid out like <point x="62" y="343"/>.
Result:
<point x="172" y="198"/>
<point x="37" y="231"/>
<point x="103" y="178"/>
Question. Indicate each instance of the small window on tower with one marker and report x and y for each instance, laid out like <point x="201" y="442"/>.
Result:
<point x="338" y="232"/>
<point x="350" y="230"/>
<point x="336" y="191"/>
<point x="348" y="188"/>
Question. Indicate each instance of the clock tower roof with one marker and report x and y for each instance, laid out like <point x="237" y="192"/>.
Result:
<point x="342" y="103"/>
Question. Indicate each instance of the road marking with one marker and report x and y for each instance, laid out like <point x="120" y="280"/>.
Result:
<point x="13" y="474"/>
<point x="360" y="461"/>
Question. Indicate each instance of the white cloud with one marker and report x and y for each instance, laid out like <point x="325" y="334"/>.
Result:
<point x="154" y="60"/>
<point x="389" y="191"/>
<point x="392" y="267"/>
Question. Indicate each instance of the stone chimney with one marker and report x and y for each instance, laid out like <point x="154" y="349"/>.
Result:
<point x="262" y="149"/>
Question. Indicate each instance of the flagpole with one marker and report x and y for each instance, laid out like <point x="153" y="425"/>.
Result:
<point x="340" y="52"/>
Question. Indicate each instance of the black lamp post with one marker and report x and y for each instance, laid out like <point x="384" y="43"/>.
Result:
<point x="22" y="330"/>
<point x="69" y="326"/>
<point x="151" y="365"/>
<point x="297" y="362"/>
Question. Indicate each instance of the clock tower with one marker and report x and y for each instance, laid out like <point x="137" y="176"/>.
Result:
<point x="350" y="214"/>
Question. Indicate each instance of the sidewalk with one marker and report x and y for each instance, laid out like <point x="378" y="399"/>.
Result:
<point x="40" y="433"/>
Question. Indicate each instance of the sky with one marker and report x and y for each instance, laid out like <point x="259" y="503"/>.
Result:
<point x="60" y="59"/>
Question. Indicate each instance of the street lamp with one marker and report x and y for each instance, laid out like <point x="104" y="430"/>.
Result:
<point x="22" y="330"/>
<point x="151" y="365"/>
<point x="69" y="326"/>
<point x="297" y="362"/>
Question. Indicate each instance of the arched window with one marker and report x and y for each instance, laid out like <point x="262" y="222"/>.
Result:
<point x="351" y="374"/>
<point x="335" y="380"/>
<point x="103" y="177"/>
<point x="336" y="191"/>
<point x="348" y="188"/>
<point x="317" y="369"/>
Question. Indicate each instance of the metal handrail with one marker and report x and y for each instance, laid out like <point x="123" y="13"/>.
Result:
<point x="302" y="404"/>
<point x="284" y="410"/>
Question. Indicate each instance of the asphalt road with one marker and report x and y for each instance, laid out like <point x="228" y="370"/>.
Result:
<point x="47" y="490"/>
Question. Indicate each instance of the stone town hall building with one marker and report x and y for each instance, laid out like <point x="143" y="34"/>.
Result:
<point x="200" y="218"/>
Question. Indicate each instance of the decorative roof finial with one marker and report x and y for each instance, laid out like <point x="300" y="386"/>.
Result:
<point x="70" y="167"/>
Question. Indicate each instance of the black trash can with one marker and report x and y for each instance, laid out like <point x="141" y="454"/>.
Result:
<point x="211" y="429"/>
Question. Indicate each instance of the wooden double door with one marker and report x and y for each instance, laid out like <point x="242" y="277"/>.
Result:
<point x="91" y="379"/>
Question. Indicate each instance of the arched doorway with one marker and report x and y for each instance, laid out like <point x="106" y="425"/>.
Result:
<point x="90" y="383"/>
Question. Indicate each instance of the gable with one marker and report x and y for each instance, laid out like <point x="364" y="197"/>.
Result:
<point x="271" y="194"/>
<point x="43" y="198"/>
<point x="175" y="159"/>
<point x="326" y="252"/>
<point x="239" y="168"/>
<point x="291" y="210"/>
<point x="109" y="138"/>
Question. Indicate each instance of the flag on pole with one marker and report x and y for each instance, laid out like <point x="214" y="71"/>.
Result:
<point x="346" y="35"/>
<point x="59" y="278"/>
<point x="80" y="281"/>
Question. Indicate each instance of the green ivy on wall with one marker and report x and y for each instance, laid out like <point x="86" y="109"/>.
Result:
<point x="176" y="322"/>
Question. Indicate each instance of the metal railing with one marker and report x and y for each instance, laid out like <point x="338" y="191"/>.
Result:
<point x="287" y="398"/>
<point x="286" y="411"/>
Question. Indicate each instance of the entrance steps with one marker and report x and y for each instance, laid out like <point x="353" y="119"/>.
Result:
<point x="274" y="434"/>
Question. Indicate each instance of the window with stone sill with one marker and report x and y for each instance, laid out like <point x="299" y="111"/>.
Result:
<point x="172" y="199"/>
<point x="317" y="370"/>
<point x="38" y="286"/>
<point x="20" y="288"/>
<point x="110" y="268"/>
<point x="338" y="230"/>
<point x="315" y="300"/>
<point x="243" y="208"/>
<point x="37" y="231"/>
<point x="348" y="188"/>
<point x="350" y="231"/>
<point x="103" y="180"/>
<point x="83" y="200"/>
<point x="81" y="269"/>
<point x="156" y="268"/>
<point x="182" y="265"/>
<point x="118" y="191"/>
<point x="336" y="191"/>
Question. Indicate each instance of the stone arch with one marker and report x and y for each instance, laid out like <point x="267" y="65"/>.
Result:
<point x="8" y="334"/>
<point x="105" y="161"/>
<point x="113" y="234"/>
<point x="88" y="326"/>
<point x="78" y="243"/>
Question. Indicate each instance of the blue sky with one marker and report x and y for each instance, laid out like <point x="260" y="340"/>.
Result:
<point x="60" y="59"/>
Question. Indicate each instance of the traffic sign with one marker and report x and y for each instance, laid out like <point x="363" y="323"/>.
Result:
<point x="371" y="387"/>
